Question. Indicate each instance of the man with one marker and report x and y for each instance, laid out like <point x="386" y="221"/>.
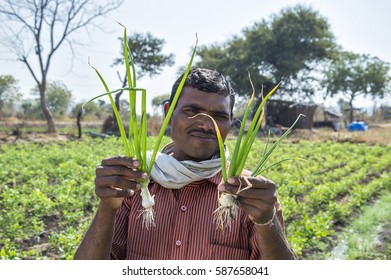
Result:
<point x="185" y="203"/>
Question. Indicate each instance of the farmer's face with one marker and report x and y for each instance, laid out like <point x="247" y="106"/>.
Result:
<point x="195" y="138"/>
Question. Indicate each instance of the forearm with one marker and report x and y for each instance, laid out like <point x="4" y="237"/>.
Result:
<point x="272" y="242"/>
<point x="96" y="244"/>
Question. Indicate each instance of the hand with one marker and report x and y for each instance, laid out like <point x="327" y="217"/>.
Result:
<point x="117" y="178"/>
<point x="258" y="201"/>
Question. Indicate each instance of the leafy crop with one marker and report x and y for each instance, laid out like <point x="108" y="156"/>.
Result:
<point x="47" y="195"/>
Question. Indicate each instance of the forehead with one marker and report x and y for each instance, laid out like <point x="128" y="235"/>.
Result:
<point x="207" y="100"/>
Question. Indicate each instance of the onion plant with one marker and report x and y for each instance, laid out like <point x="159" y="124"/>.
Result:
<point x="135" y="142"/>
<point x="227" y="210"/>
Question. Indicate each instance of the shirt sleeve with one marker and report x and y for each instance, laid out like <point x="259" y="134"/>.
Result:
<point x="119" y="243"/>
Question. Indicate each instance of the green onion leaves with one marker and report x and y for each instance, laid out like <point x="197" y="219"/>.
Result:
<point x="227" y="210"/>
<point x="135" y="143"/>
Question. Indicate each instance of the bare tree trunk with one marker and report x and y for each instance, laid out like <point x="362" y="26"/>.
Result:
<point x="78" y="123"/>
<point x="50" y="121"/>
<point x="113" y="127"/>
<point x="351" y="110"/>
<point x="48" y="115"/>
<point x="117" y="98"/>
<point x="124" y="81"/>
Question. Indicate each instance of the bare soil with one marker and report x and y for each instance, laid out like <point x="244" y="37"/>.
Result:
<point x="19" y="132"/>
<point x="7" y="137"/>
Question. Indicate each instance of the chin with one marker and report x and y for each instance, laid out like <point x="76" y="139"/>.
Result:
<point x="201" y="157"/>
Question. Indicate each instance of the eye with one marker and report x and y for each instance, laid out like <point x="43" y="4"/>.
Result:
<point x="221" y="117"/>
<point x="190" y="112"/>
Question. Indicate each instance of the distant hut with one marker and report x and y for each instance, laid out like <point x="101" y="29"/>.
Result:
<point x="327" y="118"/>
<point x="284" y="113"/>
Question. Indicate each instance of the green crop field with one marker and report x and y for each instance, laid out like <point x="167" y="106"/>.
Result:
<point x="47" y="195"/>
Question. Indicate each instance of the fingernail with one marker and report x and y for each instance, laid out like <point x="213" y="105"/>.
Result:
<point x="144" y="175"/>
<point x="138" y="186"/>
<point x="231" y="180"/>
<point x="136" y="163"/>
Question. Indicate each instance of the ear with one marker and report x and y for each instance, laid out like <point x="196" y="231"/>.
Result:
<point x="166" y="106"/>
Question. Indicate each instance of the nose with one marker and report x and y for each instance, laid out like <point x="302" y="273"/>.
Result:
<point x="205" y="122"/>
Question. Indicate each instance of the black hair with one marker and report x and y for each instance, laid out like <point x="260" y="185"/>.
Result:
<point x="206" y="80"/>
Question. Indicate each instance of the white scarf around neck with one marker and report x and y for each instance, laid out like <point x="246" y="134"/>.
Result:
<point x="174" y="174"/>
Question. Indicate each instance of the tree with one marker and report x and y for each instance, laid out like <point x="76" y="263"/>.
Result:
<point x="355" y="75"/>
<point x="9" y="92"/>
<point x="290" y="47"/>
<point x="27" y="107"/>
<point x="44" y="26"/>
<point x="58" y="97"/>
<point x="147" y="53"/>
<point x="148" y="57"/>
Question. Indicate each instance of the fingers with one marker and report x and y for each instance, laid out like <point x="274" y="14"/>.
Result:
<point x="120" y="171"/>
<point x="118" y="177"/>
<point x="121" y="160"/>
<point x="254" y="195"/>
<point x="117" y="182"/>
<point x="110" y="192"/>
<point x="250" y="187"/>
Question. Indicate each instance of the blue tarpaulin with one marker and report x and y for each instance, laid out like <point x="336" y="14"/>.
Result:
<point x="358" y="126"/>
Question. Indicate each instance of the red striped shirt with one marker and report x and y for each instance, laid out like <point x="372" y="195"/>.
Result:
<point x="185" y="228"/>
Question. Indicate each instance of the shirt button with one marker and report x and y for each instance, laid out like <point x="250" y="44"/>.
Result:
<point x="178" y="243"/>
<point x="183" y="208"/>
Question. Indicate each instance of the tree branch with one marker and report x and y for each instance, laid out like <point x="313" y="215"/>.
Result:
<point x="25" y="61"/>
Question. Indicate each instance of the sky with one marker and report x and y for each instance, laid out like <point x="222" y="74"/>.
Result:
<point x="359" y="26"/>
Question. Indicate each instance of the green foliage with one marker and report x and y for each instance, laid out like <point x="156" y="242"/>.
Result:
<point x="368" y="237"/>
<point x="146" y="51"/>
<point x="329" y="191"/>
<point x="290" y="47"/>
<point x="58" y="97"/>
<point x="8" y="92"/>
<point x="47" y="191"/>
<point x="353" y="75"/>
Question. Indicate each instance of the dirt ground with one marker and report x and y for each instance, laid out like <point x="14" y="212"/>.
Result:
<point x="7" y="137"/>
<point x="17" y="132"/>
